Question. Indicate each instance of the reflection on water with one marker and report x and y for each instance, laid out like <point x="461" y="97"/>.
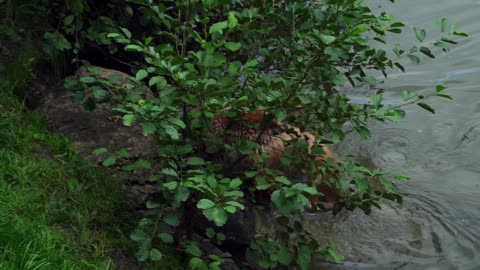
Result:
<point x="438" y="226"/>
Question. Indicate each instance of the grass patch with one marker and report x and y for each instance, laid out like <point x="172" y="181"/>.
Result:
<point x="57" y="211"/>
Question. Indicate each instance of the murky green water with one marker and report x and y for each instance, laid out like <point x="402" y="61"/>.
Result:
<point x="438" y="226"/>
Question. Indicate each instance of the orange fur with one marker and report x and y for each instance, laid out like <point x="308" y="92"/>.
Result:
<point x="276" y="149"/>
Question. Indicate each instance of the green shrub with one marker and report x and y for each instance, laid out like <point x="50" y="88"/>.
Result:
<point x="211" y="58"/>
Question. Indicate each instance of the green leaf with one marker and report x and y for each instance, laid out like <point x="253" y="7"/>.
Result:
<point x="123" y="153"/>
<point x="407" y="95"/>
<point x="230" y="209"/>
<point x="395" y="115"/>
<point x="334" y="53"/>
<point x="177" y="122"/>
<point x="148" y="40"/>
<point x="114" y="78"/>
<point x="148" y="128"/>
<point x="443" y="23"/>
<point x="304" y="257"/>
<point x="114" y="35"/>
<point x="195" y="161"/>
<point x="279" y="200"/>
<point x="305" y="188"/>
<point x="138" y="235"/>
<point x="233" y="67"/>
<point x="109" y="161"/>
<point x="214" y="60"/>
<point x="387" y="184"/>
<point x="444" y="96"/>
<point x="235" y="204"/>
<point x="152" y="205"/>
<point x="171" y="220"/>
<point x="427" y="52"/>
<point x="142" y="254"/>
<point x="251" y="63"/>
<point x="440" y="88"/>
<point x="198" y="264"/>
<point x="133" y="48"/>
<point x="420" y="33"/>
<point x="363" y="132"/>
<point x="415" y="59"/>
<point x="397" y="24"/>
<point x="205" y="204"/>
<point x="212" y="181"/>
<point x="193" y="249"/>
<point x="370" y="80"/>
<point x="171" y="185"/>
<point x="210" y="233"/>
<point x="233" y="46"/>
<point x="140" y="164"/>
<point x="376" y="100"/>
<point x="426" y="107"/>
<point x="335" y="256"/>
<point x="217" y="215"/>
<point x="235" y="193"/>
<point x="99" y="151"/>
<point x="285" y="256"/>
<point x="128" y="119"/>
<point x="401" y="176"/>
<point x="141" y="74"/>
<point x="126" y="32"/>
<point x="327" y="39"/>
<point x="172" y="132"/>
<point x="168" y="171"/>
<point x="218" y="27"/>
<point x="461" y="34"/>
<point x="221" y="237"/>
<point x="395" y="30"/>
<point x="157" y="80"/>
<point x="88" y="79"/>
<point x="68" y="20"/>
<point x="155" y="254"/>
<point x="166" y="238"/>
<point x="231" y="20"/>
<point x="362" y="184"/>
<point x="261" y="183"/>
<point x="235" y="183"/>
<point x="283" y="180"/>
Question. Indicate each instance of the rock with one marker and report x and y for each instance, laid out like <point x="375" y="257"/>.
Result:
<point x="124" y="81"/>
<point x="89" y="130"/>
<point x="210" y="249"/>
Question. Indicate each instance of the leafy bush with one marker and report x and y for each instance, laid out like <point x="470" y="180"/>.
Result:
<point x="222" y="58"/>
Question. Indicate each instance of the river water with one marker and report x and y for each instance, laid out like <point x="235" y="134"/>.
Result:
<point x="438" y="225"/>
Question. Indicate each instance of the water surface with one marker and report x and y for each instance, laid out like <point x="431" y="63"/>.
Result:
<point x="438" y="226"/>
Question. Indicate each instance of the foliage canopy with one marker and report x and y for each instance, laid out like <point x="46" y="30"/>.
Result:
<point x="291" y="59"/>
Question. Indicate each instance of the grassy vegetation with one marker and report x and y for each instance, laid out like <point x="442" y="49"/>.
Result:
<point x="57" y="211"/>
